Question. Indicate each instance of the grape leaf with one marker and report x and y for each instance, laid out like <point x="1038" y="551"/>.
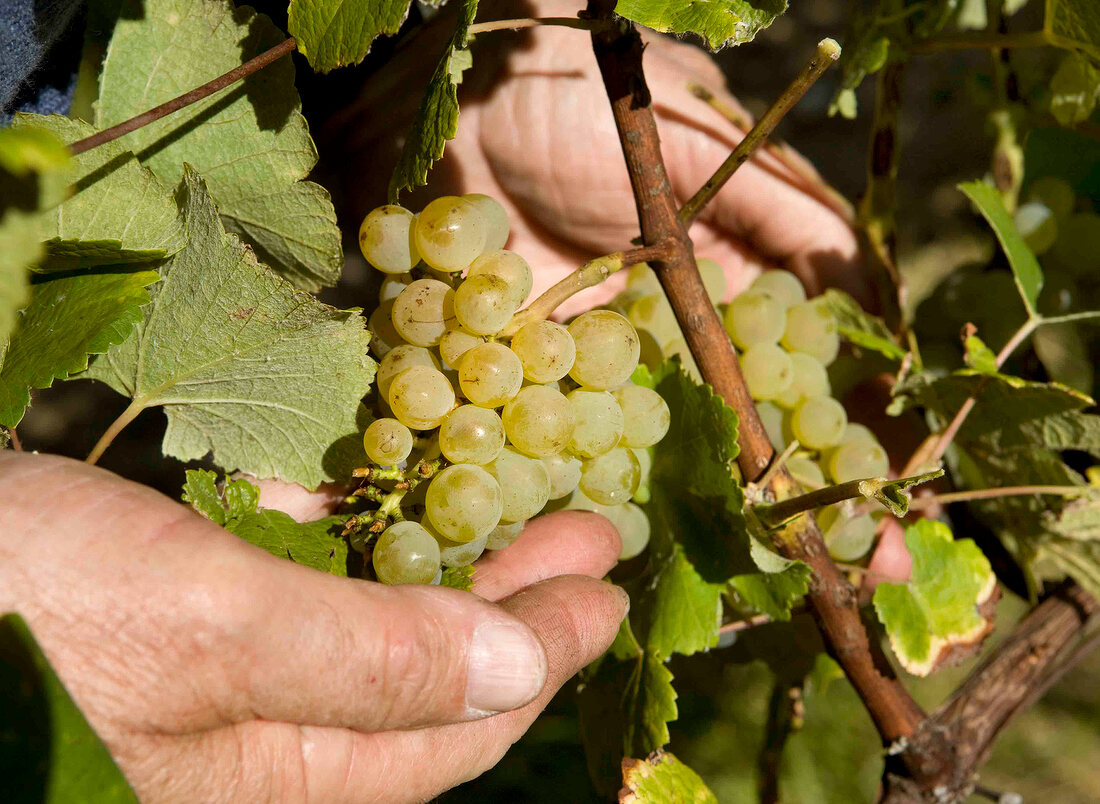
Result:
<point x="250" y="141"/>
<point x="68" y="319"/>
<point x="49" y="753"/>
<point x="335" y="33"/>
<point x="119" y="211"/>
<point x="1075" y="558"/>
<point x="314" y="544"/>
<point x="1072" y="430"/>
<point x="861" y="328"/>
<point x="458" y="578"/>
<point x="722" y="23"/>
<point x="1074" y="90"/>
<point x="29" y="164"/>
<point x="262" y="375"/>
<point x="1074" y="24"/>
<point x="436" y="120"/>
<point x="938" y="608"/>
<point x="1025" y="268"/>
<point x="979" y="356"/>
<point x="661" y="778"/>
<point x="776" y="588"/>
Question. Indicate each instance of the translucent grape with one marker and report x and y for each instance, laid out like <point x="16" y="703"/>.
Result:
<point x="392" y="287"/>
<point x="456" y="554"/>
<point x="538" y="421"/>
<point x="385" y="242"/>
<point x="420" y="397"/>
<point x="464" y="502"/>
<point x="450" y="233"/>
<point x="806" y="471"/>
<point x="405" y="553"/>
<point x="714" y="279"/>
<point x="783" y="286"/>
<point x="856" y="460"/>
<point x="819" y="422"/>
<point x="772" y="419"/>
<point x="397" y="360"/>
<point x="387" y="442"/>
<point x="1054" y="193"/>
<point x="611" y="478"/>
<point x="633" y="526"/>
<point x="810" y="379"/>
<point x="812" y="329"/>
<point x="645" y="462"/>
<point x="497" y="227"/>
<point x="490" y="374"/>
<point x="525" y="483"/>
<point x="768" y="370"/>
<point x="642" y="280"/>
<point x="423" y="311"/>
<point x="654" y="314"/>
<point x="484" y="304"/>
<point x="508" y="266"/>
<point x="1078" y="246"/>
<point x="1038" y="226"/>
<point x="850" y="539"/>
<point x="607" y="349"/>
<point x="383" y="334"/>
<point x="455" y="343"/>
<point x="504" y="535"/>
<point x="565" y="474"/>
<point x="646" y="417"/>
<point x="649" y="350"/>
<point x="753" y="318"/>
<point x="471" y="434"/>
<point x="598" y="422"/>
<point x="545" y="349"/>
<point x="856" y="432"/>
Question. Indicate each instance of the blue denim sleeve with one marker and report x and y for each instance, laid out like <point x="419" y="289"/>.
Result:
<point x="40" y="44"/>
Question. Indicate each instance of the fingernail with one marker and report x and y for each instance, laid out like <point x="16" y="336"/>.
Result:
<point x="507" y="668"/>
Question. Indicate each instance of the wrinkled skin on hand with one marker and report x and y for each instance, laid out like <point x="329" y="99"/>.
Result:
<point x="215" y="671"/>
<point x="536" y="132"/>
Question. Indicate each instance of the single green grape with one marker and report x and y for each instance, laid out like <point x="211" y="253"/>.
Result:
<point x="450" y="233"/>
<point x="510" y="268"/>
<point x="423" y="311"/>
<point x="783" y="286"/>
<point x="611" y="478"/>
<point x="755" y="318"/>
<point x="714" y="279"/>
<point x="849" y="539"/>
<point x="490" y="374"/>
<point x="545" y="349"/>
<point x="539" y="421"/>
<point x="397" y="360"/>
<point x="607" y="349"/>
<point x="812" y="329"/>
<point x="645" y="415"/>
<point x="857" y="460"/>
<point x="385" y="242"/>
<point x="497" y="227"/>
<point x="455" y="343"/>
<point x="483" y="304"/>
<point x="504" y="535"/>
<point x="806" y="471"/>
<point x="383" y="335"/>
<point x="810" y="379"/>
<point x="525" y="483"/>
<point x="598" y="422"/>
<point x="819" y="422"/>
<point x="420" y="397"/>
<point x="464" y="502"/>
<point x="772" y="419"/>
<point x="387" y="442"/>
<point x="565" y="474"/>
<point x="1038" y="226"/>
<point x="768" y="370"/>
<point x="471" y="434"/>
<point x="406" y="553"/>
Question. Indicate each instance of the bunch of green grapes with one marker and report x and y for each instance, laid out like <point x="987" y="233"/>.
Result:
<point x="506" y="425"/>
<point x="785" y="343"/>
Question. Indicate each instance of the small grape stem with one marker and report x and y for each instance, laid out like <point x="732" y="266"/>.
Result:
<point x="779" y="462"/>
<point x="934" y="500"/>
<point x="16" y="444"/>
<point x="517" y="24"/>
<point x="587" y="276"/>
<point x="373" y="473"/>
<point x="186" y="99"/>
<point x="117" y="426"/>
<point x="777" y="513"/>
<point x="746" y="624"/>
<point x="828" y="51"/>
<point x="804" y="177"/>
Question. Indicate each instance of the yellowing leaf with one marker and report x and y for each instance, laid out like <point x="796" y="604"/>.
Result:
<point x="661" y="778"/>
<point x="264" y="376"/>
<point x="938" y="609"/>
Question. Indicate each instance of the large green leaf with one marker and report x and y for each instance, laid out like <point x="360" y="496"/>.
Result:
<point x="938" y="608"/>
<point x="721" y="23"/>
<point x="436" y="120"/>
<point x="49" y="754"/>
<point x="314" y="544"/>
<point x="334" y="33"/>
<point x="1025" y="268"/>
<point x="262" y="375"/>
<point x="68" y="319"/>
<point x="662" y="779"/>
<point x="119" y="212"/>
<point x="249" y="141"/>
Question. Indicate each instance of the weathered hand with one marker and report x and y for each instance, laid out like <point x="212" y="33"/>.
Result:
<point x="217" y="672"/>
<point x="536" y="132"/>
